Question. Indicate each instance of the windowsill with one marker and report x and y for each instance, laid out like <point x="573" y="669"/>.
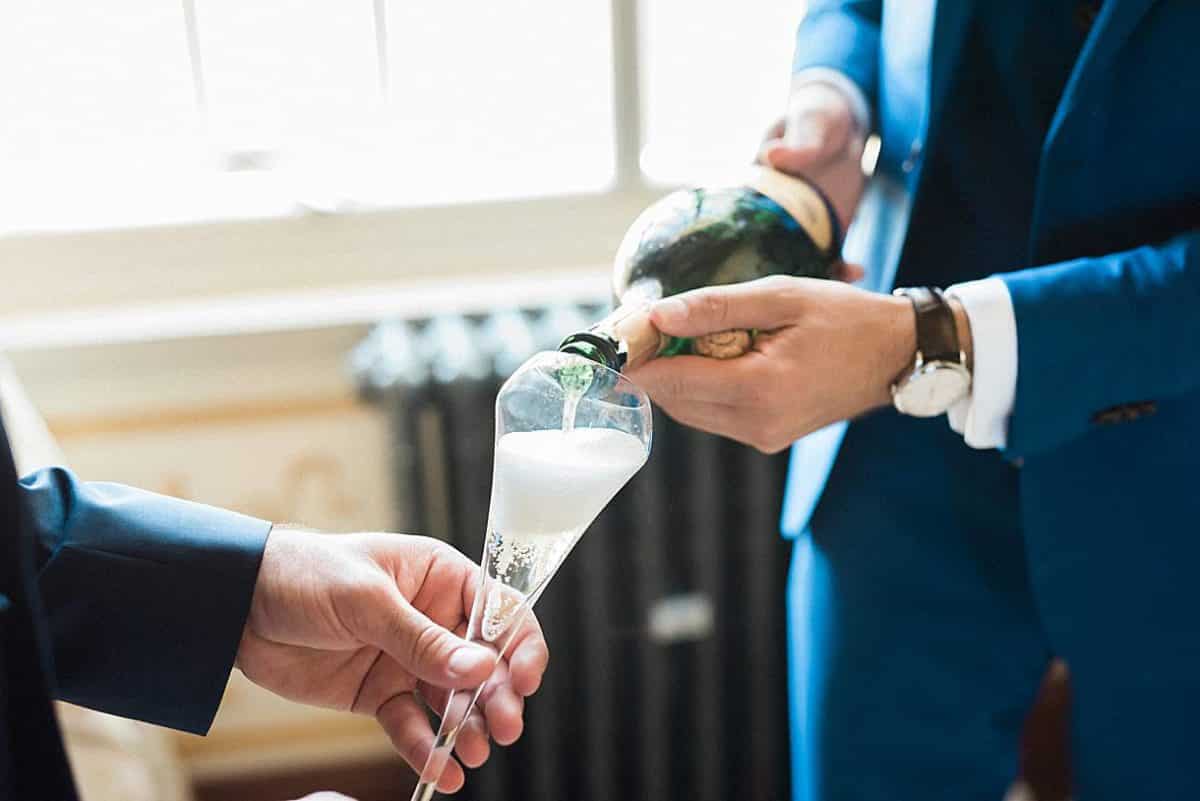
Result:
<point x="296" y="310"/>
<point x="78" y="273"/>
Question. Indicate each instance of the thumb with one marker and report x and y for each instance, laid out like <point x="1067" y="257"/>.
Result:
<point x="767" y="303"/>
<point x="808" y="141"/>
<point x="795" y="160"/>
<point x="430" y="652"/>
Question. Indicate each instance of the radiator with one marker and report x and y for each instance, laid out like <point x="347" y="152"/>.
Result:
<point x="666" y="624"/>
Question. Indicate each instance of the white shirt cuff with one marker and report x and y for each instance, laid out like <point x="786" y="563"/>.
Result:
<point x="831" y="77"/>
<point x="982" y="416"/>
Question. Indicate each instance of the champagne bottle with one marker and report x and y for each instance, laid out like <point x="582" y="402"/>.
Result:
<point x="771" y="225"/>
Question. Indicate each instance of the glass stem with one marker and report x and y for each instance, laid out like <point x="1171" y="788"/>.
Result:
<point x="461" y="702"/>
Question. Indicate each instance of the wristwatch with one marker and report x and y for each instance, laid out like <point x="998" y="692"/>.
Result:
<point x="939" y="375"/>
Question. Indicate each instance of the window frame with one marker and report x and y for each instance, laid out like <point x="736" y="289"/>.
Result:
<point x="308" y="248"/>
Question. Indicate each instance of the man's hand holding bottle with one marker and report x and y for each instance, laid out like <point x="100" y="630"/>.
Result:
<point x="824" y="351"/>
<point x="820" y="139"/>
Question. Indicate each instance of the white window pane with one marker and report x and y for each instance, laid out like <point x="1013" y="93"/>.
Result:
<point x="495" y="99"/>
<point x="714" y="76"/>
<point x="100" y="123"/>
<point x="90" y="83"/>
<point x="280" y="74"/>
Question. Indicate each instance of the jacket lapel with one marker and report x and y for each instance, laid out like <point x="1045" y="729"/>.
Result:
<point x="949" y="32"/>
<point x="13" y="560"/>
<point x="1116" y="22"/>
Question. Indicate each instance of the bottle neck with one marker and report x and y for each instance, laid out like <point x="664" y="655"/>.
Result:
<point x="623" y="340"/>
<point x="596" y="347"/>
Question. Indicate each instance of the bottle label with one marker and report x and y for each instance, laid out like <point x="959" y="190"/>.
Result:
<point x="799" y="199"/>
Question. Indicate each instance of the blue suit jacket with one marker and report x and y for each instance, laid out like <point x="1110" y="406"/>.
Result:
<point x="116" y="599"/>
<point x="1108" y="313"/>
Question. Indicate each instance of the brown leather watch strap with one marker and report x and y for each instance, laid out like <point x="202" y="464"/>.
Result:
<point x="937" y="336"/>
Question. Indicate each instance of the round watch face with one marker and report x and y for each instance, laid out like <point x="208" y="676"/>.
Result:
<point x="932" y="389"/>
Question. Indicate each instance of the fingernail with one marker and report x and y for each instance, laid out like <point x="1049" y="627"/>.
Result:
<point x="466" y="660"/>
<point x="670" y="310"/>
<point x="802" y="135"/>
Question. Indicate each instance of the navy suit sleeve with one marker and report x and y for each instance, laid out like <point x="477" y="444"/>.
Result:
<point x="842" y="35"/>
<point x="1100" y="332"/>
<point x="146" y="595"/>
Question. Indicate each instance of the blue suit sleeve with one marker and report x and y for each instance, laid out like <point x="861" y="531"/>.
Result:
<point x="842" y="35"/>
<point x="146" y="595"/>
<point x="1100" y="332"/>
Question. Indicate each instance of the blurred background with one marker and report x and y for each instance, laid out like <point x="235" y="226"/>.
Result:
<point x="277" y="256"/>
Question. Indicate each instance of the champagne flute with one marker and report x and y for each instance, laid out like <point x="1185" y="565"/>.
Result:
<point x="569" y="434"/>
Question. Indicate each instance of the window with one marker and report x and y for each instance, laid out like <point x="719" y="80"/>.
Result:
<point x="537" y="127"/>
<point x="715" y="75"/>
<point x="88" y="96"/>
<point x="127" y="111"/>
